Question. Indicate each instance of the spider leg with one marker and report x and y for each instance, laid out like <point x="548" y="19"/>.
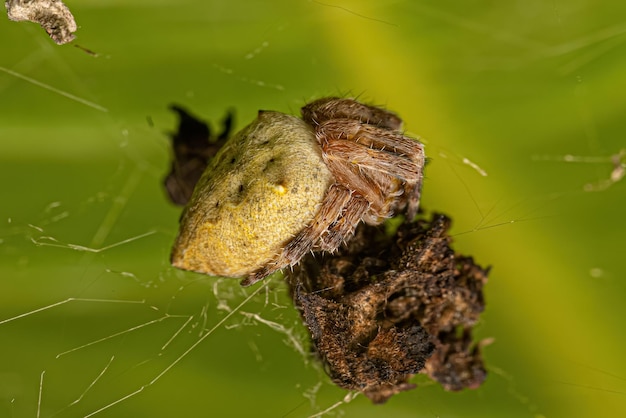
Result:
<point x="372" y="137"/>
<point x="404" y="148"/>
<point x="329" y="108"/>
<point x="345" y="226"/>
<point x="413" y="193"/>
<point x="359" y="182"/>
<point x="330" y="211"/>
<point x="374" y="162"/>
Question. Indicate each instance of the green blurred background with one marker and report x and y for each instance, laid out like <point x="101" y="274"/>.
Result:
<point x="513" y="87"/>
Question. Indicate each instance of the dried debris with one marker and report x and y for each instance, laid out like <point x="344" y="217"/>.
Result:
<point x="52" y="15"/>
<point x="385" y="308"/>
<point x="193" y="146"/>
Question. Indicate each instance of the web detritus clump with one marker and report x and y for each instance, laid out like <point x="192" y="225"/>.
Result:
<point x="385" y="308"/>
<point x="54" y="16"/>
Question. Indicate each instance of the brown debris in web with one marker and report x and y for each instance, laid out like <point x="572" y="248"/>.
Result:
<point x="54" y="16"/>
<point x="193" y="146"/>
<point x="385" y="308"/>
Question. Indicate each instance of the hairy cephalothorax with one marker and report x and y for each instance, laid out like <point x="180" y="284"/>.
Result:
<point x="285" y="186"/>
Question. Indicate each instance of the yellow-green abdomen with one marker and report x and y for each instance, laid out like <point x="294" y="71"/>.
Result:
<point x="262" y="188"/>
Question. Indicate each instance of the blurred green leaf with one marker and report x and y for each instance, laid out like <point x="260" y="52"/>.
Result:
<point x="512" y="87"/>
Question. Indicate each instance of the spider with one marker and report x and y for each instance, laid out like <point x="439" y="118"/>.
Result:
<point x="283" y="187"/>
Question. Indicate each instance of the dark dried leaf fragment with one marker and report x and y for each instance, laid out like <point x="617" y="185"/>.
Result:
<point x="52" y="15"/>
<point x="385" y="308"/>
<point x="193" y="146"/>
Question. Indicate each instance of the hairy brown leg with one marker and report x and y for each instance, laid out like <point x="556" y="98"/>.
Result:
<point x="344" y="227"/>
<point x="397" y="145"/>
<point x="357" y="181"/>
<point x="371" y="136"/>
<point x="329" y="108"/>
<point x="369" y="159"/>
<point x="382" y="157"/>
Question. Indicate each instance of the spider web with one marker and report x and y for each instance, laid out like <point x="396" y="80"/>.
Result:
<point x="519" y="106"/>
